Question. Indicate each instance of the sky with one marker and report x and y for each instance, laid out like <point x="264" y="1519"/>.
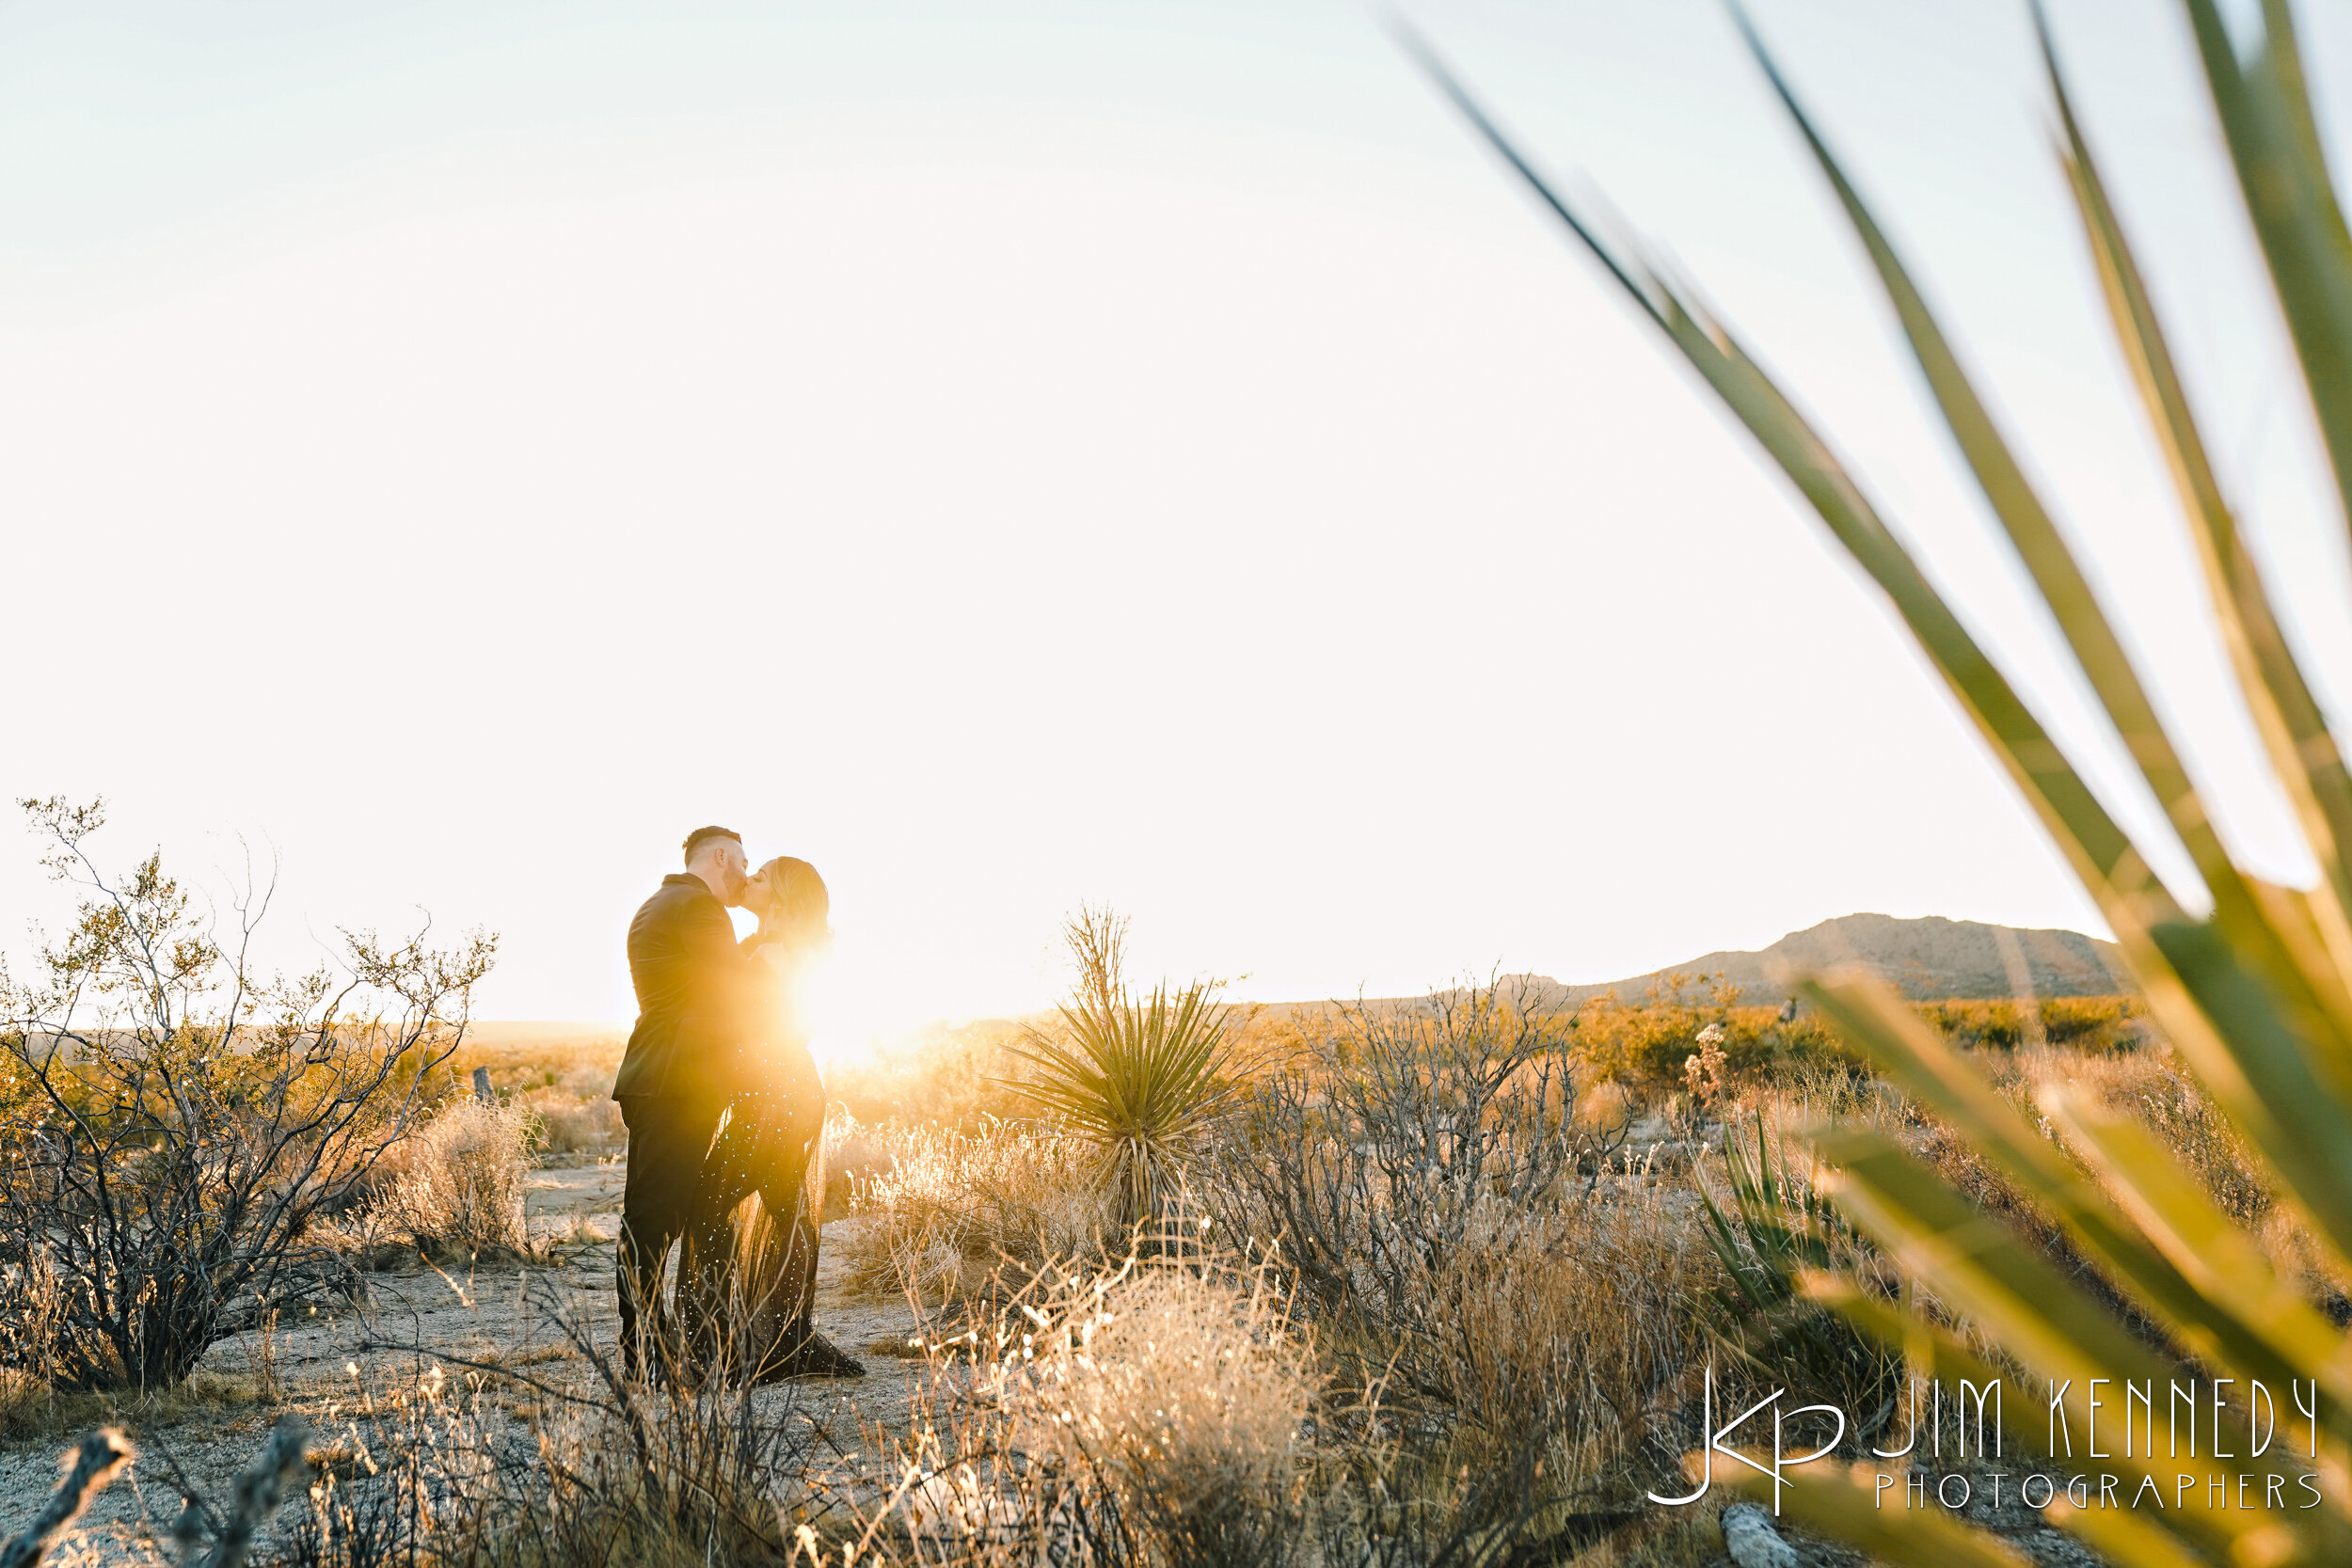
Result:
<point x="1044" y="454"/>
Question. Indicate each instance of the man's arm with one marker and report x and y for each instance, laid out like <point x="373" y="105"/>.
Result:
<point x="730" y="974"/>
<point x="707" y="937"/>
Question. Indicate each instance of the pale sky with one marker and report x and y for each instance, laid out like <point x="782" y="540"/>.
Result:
<point x="1021" y="455"/>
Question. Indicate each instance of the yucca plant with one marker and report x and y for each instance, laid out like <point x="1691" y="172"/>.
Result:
<point x="1778" y="1228"/>
<point x="1143" y="1079"/>
<point x="1778" y="1223"/>
<point x="2256" y="995"/>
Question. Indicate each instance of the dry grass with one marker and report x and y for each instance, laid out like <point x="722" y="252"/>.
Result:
<point x="575" y="1125"/>
<point x="1581" y="1322"/>
<point x="566" y="1078"/>
<point x="1190" y="1385"/>
<point x="953" y="1209"/>
<point x="1151" y="1412"/>
<point x="957" y="1077"/>
<point x="456" y="1186"/>
<point x="2155" y="1088"/>
<point x="1173" y="1413"/>
<point x="31" y="1409"/>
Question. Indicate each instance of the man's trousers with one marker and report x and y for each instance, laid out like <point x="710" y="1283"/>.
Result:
<point x="668" y="1140"/>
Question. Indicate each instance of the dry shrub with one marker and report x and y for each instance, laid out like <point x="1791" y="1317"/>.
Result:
<point x="174" y="1122"/>
<point x="2155" y="1088"/>
<point x="948" y="1209"/>
<point x="2148" y="1086"/>
<point x="456" y="1188"/>
<point x="1155" y="1413"/>
<point x="1583" y="1324"/>
<point x="1171" y="1414"/>
<point x="1192" y="1386"/>
<point x="31" y="1407"/>
<point x="1395" y="1126"/>
<point x="570" y="1125"/>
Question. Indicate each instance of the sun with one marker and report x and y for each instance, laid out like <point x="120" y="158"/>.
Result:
<point x="845" y="1029"/>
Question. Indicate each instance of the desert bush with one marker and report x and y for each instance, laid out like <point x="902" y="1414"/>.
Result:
<point x="1581" y="1322"/>
<point x="949" y="1210"/>
<point x="1144" y="1081"/>
<point x="173" y="1121"/>
<point x="1181" y="1392"/>
<point x="569" y="1125"/>
<point x="1173" y="1413"/>
<point x="2153" y="1090"/>
<point x="457" y="1182"/>
<point x="1144" y="1414"/>
<point x="2084" y="1023"/>
<point x="1370" y="1158"/>
<point x="1645" y="1044"/>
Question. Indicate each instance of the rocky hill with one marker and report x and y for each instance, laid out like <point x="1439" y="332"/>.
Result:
<point x="1926" y="958"/>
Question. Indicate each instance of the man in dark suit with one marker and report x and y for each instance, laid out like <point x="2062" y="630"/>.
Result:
<point x="699" y="994"/>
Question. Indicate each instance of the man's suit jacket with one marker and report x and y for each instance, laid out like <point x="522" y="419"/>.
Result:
<point x="701" y="997"/>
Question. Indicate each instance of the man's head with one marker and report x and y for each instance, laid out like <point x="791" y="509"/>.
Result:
<point x="716" y="855"/>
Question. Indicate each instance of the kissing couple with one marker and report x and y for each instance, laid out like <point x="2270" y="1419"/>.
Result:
<point x="726" y="1117"/>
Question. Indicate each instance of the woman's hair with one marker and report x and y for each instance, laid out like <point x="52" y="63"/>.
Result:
<point x="800" y="902"/>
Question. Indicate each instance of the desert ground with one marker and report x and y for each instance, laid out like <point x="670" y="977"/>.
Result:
<point x="419" y="1317"/>
<point x="1448" y="1279"/>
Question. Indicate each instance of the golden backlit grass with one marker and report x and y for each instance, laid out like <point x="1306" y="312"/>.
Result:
<point x="948" y="1209"/>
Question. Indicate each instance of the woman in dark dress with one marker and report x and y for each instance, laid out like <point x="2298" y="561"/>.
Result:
<point x="753" y="1248"/>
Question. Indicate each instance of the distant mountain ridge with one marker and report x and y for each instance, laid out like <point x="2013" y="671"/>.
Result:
<point x="1927" y="957"/>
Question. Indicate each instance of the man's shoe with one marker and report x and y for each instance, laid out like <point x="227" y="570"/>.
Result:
<point x="820" y="1357"/>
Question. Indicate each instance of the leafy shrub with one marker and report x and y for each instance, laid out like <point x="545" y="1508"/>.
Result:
<point x="1645" y="1044"/>
<point x="2097" y="1024"/>
<point x="172" y="1121"/>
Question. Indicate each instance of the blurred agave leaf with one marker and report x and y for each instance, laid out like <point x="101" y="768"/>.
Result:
<point x="2287" y="716"/>
<point x="2257" y="997"/>
<point x="2232" y="1328"/>
<point x="2265" y="114"/>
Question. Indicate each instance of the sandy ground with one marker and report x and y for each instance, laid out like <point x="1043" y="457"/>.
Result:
<point x="327" y="1362"/>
